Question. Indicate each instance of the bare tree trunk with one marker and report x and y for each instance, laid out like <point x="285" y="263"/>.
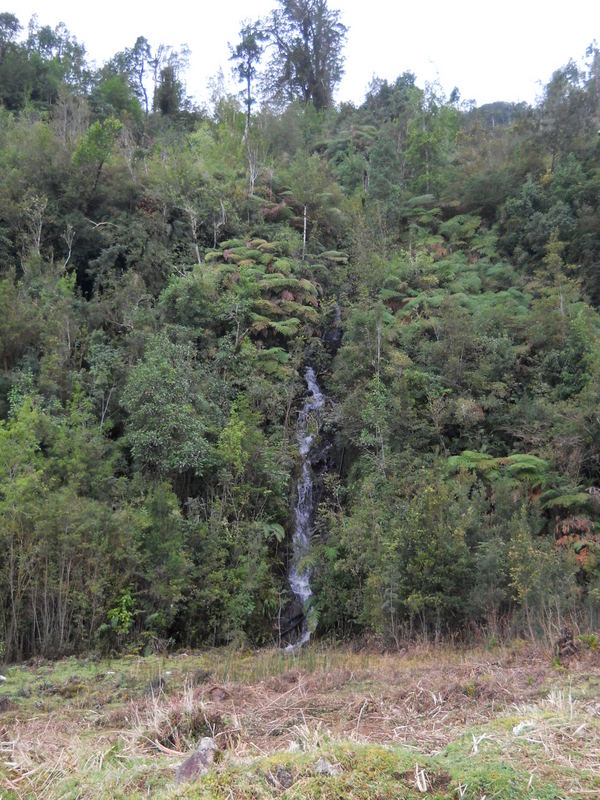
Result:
<point x="68" y="236"/>
<point x="248" y="105"/>
<point x="34" y="220"/>
<point x="304" y="236"/>
<point x="193" y="218"/>
<point x="218" y="223"/>
<point x="252" y="154"/>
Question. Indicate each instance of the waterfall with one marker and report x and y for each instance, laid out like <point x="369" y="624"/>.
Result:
<point x="298" y="576"/>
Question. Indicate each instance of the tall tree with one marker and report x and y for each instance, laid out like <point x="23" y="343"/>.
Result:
<point x="135" y="63"/>
<point x="169" y="92"/>
<point x="9" y="29"/>
<point x="246" y="55"/>
<point x="168" y="66"/>
<point x="307" y="63"/>
<point x="563" y="111"/>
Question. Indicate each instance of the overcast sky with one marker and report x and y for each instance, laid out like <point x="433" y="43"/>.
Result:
<point x="492" y="51"/>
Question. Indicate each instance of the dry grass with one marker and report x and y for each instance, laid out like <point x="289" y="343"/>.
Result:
<point x="117" y="737"/>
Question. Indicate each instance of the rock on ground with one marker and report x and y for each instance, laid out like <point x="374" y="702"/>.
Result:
<point x="325" y="767"/>
<point x="198" y="763"/>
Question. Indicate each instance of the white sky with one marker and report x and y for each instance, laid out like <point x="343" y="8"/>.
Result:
<point x="501" y="50"/>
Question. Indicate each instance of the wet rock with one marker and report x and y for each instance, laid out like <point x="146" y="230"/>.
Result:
<point x="325" y="767"/>
<point x="198" y="763"/>
<point x="290" y="623"/>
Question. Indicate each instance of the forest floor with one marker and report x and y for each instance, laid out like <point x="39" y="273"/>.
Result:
<point x="328" y="723"/>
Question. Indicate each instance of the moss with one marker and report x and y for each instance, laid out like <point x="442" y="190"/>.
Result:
<point x="365" y="771"/>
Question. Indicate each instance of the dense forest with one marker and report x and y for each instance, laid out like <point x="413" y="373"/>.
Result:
<point x="167" y="273"/>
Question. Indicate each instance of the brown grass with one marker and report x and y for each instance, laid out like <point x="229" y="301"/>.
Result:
<point x="426" y="700"/>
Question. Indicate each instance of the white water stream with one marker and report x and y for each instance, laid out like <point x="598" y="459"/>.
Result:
<point x="298" y="576"/>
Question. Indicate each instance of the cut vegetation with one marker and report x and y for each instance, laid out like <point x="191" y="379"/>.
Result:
<point x="327" y="723"/>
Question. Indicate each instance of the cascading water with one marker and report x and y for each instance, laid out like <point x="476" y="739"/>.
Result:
<point x="299" y="576"/>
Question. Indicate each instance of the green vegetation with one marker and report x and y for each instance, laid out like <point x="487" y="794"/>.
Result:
<point x="167" y="272"/>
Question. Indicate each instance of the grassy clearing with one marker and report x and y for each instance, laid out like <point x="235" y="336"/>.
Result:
<point x="432" y="722"/>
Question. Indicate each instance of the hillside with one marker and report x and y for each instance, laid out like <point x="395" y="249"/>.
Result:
<point x="169" y="273"/>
